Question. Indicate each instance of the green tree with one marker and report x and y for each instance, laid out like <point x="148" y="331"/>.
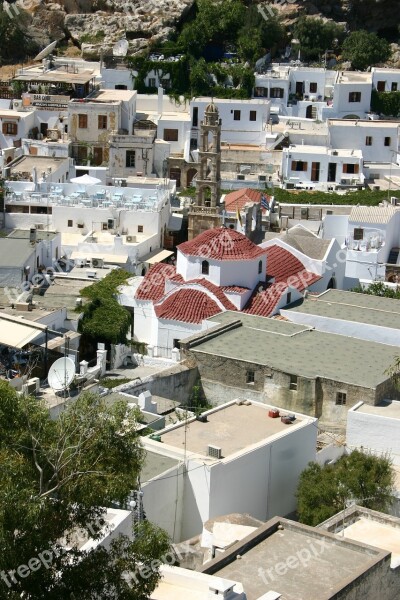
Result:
<point x="317" y="36"/>
<point x="365" y="49"/>
<point x="14" y="43"/>
<point x="103" y="318"/>
<point x="362" y="478"/>
<point x="378" y="288"/>
<point x="258" y="35"/>
<point x="57" y="477"/>
<point x="216" y="21"/>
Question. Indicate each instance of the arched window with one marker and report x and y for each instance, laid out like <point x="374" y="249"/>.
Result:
<point x="205" y="267"/>
<point x="260" y="266"/>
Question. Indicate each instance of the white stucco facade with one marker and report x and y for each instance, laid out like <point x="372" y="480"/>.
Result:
<point x="259" y="480"/>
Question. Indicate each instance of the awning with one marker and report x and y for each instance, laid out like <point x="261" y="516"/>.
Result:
<point x="113" y="259"/>
<point x="16" y="334"/>
<point x="156" y="257"/>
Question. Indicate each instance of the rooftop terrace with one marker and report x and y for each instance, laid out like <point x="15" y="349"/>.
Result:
<point x="233" y="428"/>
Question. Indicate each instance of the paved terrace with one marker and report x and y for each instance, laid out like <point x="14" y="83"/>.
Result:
<point x="233" y="429"/>
<point x="92" y="196"/>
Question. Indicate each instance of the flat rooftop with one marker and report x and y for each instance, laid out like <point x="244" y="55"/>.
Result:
<point x="301" y="351"/>
<point x="347" y="153"/>
<point x="363" y="123"/>
<point x="351" y="306"/>
<point x="112" y="95"/>
<point x="232" y="428"/>
<point x="368" y="527"/>
<point x="26" y="163"/>
<point x="354" y="77"/>
<point x="24" y="234"/>
<point x="334" y="562"/>
<point x="36" y="74"/>
<point x="389" y="408"/>
<point x="379" y="535"/>
<point x="154" y="465"/>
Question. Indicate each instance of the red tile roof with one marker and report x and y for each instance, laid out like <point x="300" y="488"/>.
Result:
<point x="288" y="272"/>
<point x="188" y="306"/>
<point x="236" y="200"/>
<point x="281" y="263"/>
<point x="153" y="284"/>
<point x="234" y="289"/>
<point x="222" y="243"/>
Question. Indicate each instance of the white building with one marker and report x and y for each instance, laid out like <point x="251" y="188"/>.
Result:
<point x="116" y="225"/>
<point x="183" y="584"/>
<point x="385" y="80"/>
<point x="375" y="429"/>
<point x="378" y="141"/>
<point x="243" y="121"/>
<point x="316" y="167"/>
<point x="219" y="270"/>
<point x="235" y="459"/>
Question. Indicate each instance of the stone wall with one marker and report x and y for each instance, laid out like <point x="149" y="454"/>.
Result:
<point x="225" y="379"/>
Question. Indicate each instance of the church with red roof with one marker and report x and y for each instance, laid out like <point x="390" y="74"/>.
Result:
<point x="219" y="270"/>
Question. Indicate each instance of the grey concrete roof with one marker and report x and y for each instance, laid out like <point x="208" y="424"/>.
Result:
<point x="390" y="409"/>
<point x="372" y="214"/>
<point x="23" y="234"/>
<point x="304" y="241"/>
<point x="303" y="351"/>
<point x="332" y="562"/>
<point x="14" y="253"/>
<point x="155" y="464"/>
<point x="350" y="306"/>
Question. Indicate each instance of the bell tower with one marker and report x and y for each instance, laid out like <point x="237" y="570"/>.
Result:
<point x="205" y="213"/>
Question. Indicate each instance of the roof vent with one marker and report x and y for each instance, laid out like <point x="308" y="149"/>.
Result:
<point x="214" y="451"/>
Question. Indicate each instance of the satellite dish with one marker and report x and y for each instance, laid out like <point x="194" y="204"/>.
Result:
<point x="46" y="51"/>
<point x="121" y="47"/>
<point x="61" y="374"/>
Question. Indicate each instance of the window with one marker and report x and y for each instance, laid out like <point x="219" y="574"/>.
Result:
<point x="261" y="92"/>
<point x="368" y="140"/>
<point x="82" y="121"/>
<point x="388" y="141"/>
<point x="260" y="267"/>
<point x="120" y="86"/>
<point x="81" y="225"/>
<point x="236" y="115"/>
<point x="102" y="122"/>
<point x="394" y="86"/>
<point x="195" y="117"/>
<point x="341" y="398"/>
<point x="299" y="165"/>
<point x="276" y="92"/>
<point x="355" y="97"/>
<point x="381" y="86"/>
<point x="350" y="169"/>
<point x="253" y="115"/>
<point x="288" y="297"/>
<point x="140" y="228"/>
<point x="130" y="159"/>
<point x="358" y="233"/>
<point x="70" y="223"/>
<point x="152" y="82"/>
<point x="205" y="267"/>
<point x="10" y="128"/>
<point x="250" y="376"/>
<point x="104" y="226"/>
<point x="293" y="382"/>
<point x="313" y="88"/>
<point x="82" y="153"/>
<point x="170" y="135"/>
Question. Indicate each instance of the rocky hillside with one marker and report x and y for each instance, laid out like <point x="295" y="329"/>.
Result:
<point x="92" y="25"/>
